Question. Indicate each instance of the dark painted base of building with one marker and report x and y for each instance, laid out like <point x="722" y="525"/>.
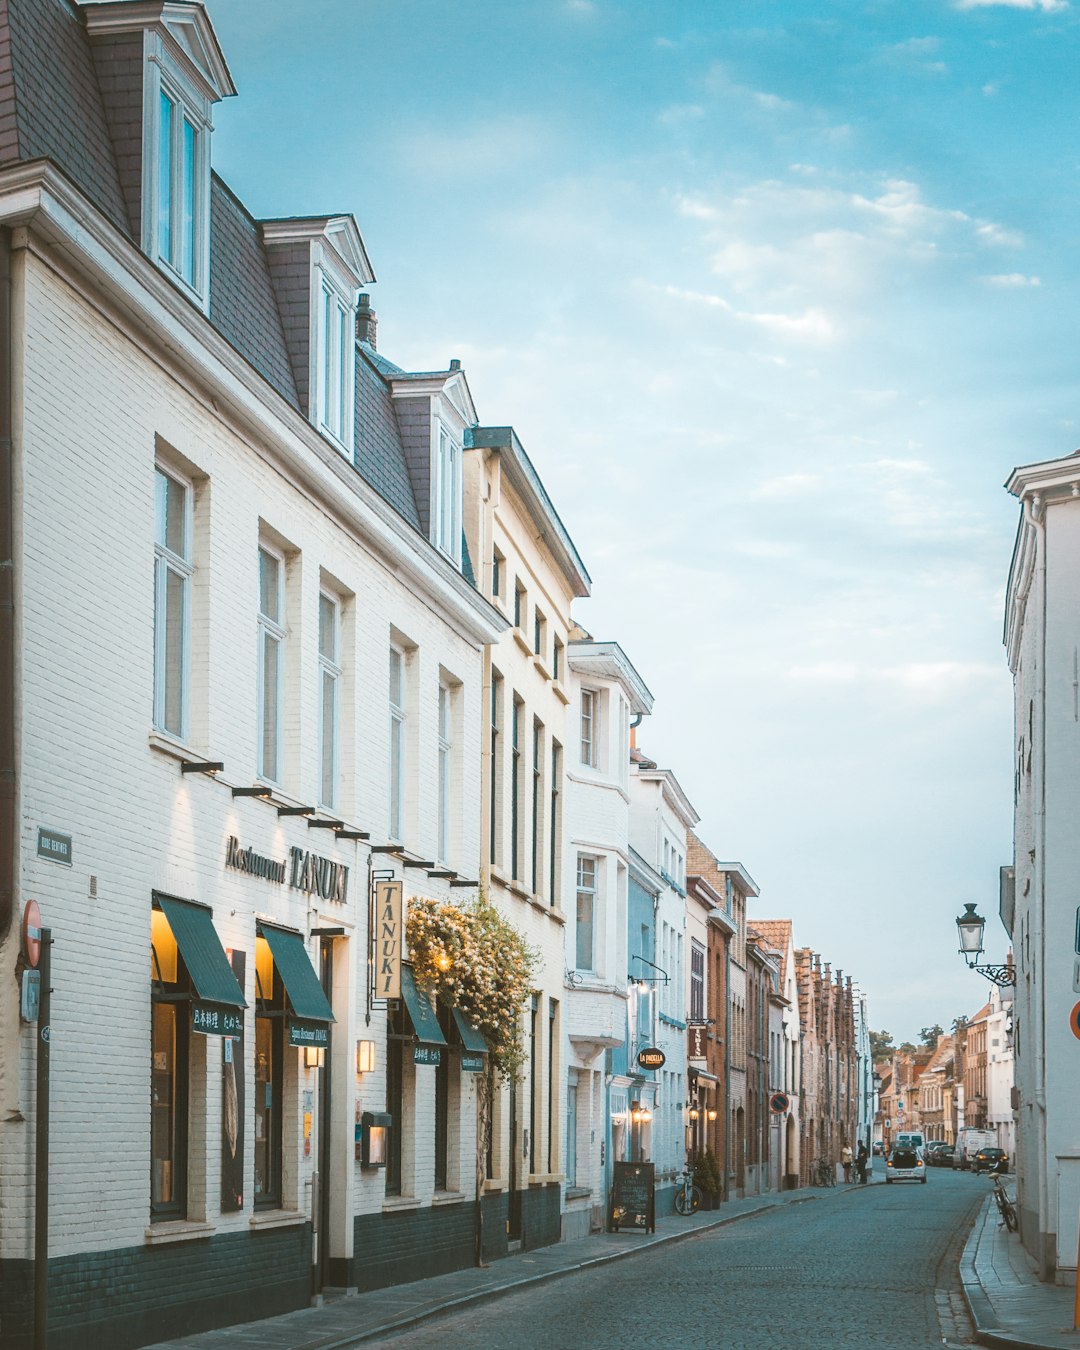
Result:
<point x="122" y="1299"/>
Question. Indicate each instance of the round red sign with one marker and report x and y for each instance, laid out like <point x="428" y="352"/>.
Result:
<point x="31" y="932"/>
<point x="779" y="1101"/>
<point x="1074" y="1021"/>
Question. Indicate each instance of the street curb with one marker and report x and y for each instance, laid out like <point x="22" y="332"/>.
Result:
<point x="979" y="1306"/>
<point x="481" y="1295"/>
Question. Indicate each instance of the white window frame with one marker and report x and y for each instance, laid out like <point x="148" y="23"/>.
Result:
<point x="330" y="675"/>
<point x="332" y="374"/>
<point x="167" y="562"/>
<point x="445" y="769"/>
<point x="398" y="748"/>
<point x="590" y="715"/>
<point x="270" y="630"/>
<point x="446" y="494"/>
<point x="582" y="888"/>
<point x="163" y="79"/>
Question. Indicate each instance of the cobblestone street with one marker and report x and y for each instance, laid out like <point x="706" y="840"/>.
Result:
<point x="871" y="1269"/>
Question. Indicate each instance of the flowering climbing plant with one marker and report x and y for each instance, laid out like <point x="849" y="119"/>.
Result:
<point x="472" y="958"/>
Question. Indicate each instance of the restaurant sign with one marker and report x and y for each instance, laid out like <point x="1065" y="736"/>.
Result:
<point x="472" y="1063"/>
<point x="303" y="870"/>
<point x="651" y="1058"/>
<point x="216" y="1019"/>
<point x="302" y="1032"/>
<point x="427" y="1054"/>
<point x="388" y="922"/>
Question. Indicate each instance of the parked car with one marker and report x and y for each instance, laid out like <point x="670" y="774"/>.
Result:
<point x="969" y="1139"/>
<point x="939" y="1153"/>
<point x="905" y="1164"/>
<point x="990" y="1160"/>
<point x="879" y="1148"/>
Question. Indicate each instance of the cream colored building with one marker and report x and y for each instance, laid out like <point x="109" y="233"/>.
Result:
<point x="526" y="565"/>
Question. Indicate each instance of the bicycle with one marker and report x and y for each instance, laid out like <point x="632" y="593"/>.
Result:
<point x="688" y="1196"/>
<point x="1005" y="1206"/>
<point x="823" y="1173"/>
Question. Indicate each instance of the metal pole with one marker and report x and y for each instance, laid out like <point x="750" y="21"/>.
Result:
<point x="41" y="1152"/>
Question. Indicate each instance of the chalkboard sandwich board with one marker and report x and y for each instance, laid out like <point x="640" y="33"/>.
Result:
<point x="633" y="1197"/>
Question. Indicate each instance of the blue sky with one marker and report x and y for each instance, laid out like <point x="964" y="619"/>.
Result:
<point x="775" y="301"/>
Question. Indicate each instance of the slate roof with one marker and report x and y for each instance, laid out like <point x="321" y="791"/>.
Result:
<point x="52" y="107"/>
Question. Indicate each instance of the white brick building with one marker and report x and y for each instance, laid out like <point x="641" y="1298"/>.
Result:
<point x="237" y="542"/>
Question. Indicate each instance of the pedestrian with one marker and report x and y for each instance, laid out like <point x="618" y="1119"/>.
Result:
<point x="845" y="1158"/>
<point x="861" y="1159"/>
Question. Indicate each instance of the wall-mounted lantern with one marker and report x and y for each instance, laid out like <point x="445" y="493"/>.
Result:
<point x="375" y="1138"/>
<point x="365" y="1057"/>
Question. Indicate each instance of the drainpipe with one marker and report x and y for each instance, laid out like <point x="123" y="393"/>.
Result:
<point x="7" y="601"/>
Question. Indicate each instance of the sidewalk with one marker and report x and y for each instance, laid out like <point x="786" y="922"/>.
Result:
<point x="1009" y="1304"/>
<point x="350" y="1321"/>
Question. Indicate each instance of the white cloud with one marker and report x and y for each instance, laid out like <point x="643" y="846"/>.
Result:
<point x="679" y="113"/>
<point x="1044" y="6"/>
<point x="1012" y="280"/>
<point x="787" y="485"/>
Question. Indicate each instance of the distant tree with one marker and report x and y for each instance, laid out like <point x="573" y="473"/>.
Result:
<point x="881" y="1045"/>
<point x="929" y="1035"/>
<point x="908" y="1049"/>
<point x="959" y="1023"/>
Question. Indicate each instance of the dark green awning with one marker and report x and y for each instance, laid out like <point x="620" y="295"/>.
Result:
<point x="208" y="966"/>
<point x="302" y="986"/>
<point x="471" y="1039"/>
<point x="421" y="1013"/>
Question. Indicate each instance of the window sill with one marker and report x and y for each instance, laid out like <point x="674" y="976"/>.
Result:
<point x="178" y="1230"/>
<point x="277" y="1218"/>
<point x="494" y="1185"/>
<point x="541" y="666"/>
<point x="395" y="1204"/>
<point x="560" y="692"/>
<point x="175" y="749"/>
<point x="578" y="1192"/>
<point x="545" y="1178"/>
<point x="447" y="1198"/>
<point x="522" y="641"/>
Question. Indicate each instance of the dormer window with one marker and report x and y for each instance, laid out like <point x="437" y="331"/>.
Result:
<point x="183" y="175"/>
<point x="447" y="512"/>
<point x="181" y="75"/>
<point x="318" y="266"/>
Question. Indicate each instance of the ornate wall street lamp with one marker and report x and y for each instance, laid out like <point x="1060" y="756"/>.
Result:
<point x="971" y="926"/>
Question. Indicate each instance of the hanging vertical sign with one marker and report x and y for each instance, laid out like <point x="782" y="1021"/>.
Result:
<point x="388" y="925"/>
<point x="233" y="1110"/>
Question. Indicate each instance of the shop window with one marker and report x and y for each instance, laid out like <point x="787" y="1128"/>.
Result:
<point x="170" y="1054"/>
<point x="269" y="1075"/>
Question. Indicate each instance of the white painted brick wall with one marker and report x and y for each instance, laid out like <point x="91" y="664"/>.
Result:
<point x="95" y="404"/>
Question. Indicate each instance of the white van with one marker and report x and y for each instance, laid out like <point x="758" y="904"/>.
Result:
<point x="911" y="1139"/>
<point x="969" y="1139"/>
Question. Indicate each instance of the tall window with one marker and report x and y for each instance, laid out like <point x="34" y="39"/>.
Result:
<point x="397" y="742"/>
<point x="554" y="823"/>
<point x="334" y="355"/>
<point x="170" y="1040"/>
<point x="271" y="661"/>
<point x="396" y="1036"/>
<point x="536" y="870"/>
<point x="697" y="981"/>
<point x="269" y="1075"/>
<point x="534" y="1079"/>
<point x="495" y="781"/>
<point x="329" y="696"/>
<point x="173" y="571"/>
<point x="557" y="660"/>
<point x="445" y="764"/>
<point x="521" y="605"/>
<point x="516" y="718"/>
<point x="447" y="495"/>
<point x="571" y="1128"/>
<point x="539" y="633"/>
<point x="498" y="565"/>
<point x="178" y="186"/>
<point x="588" y="727"/>
<point x="586" y="912"/>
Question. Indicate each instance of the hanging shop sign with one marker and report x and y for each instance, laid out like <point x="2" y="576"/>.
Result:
<point x="427" y="1054"/>
<point x="302" y="870"/>
<point x="696" y="1033"/>
<point x="471" y="1063"/>
<point x="388" y="922"/>
<point x="651" y="1058"/>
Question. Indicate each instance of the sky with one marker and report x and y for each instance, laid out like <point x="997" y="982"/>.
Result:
<point x="775" y="300"/>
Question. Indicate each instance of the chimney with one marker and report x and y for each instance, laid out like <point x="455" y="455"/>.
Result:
<point x="366" y="322"/>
